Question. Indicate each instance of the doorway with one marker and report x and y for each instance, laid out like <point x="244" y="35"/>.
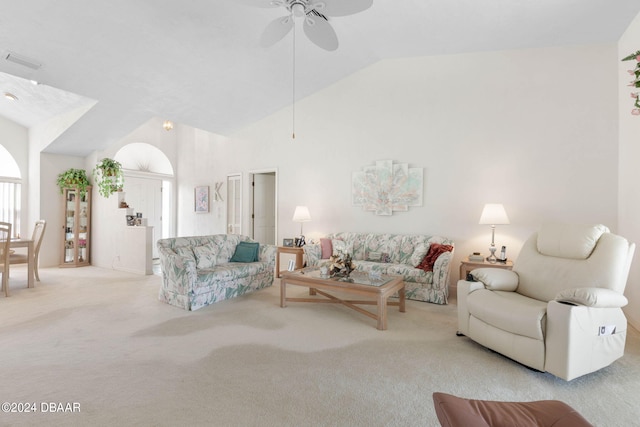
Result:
<point x="234" y="204"/>
<point x="264" y="207"/>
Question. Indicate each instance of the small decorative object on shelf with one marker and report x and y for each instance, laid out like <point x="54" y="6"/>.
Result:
<point x="635" y="83"/>
<point x="503" y="255"/>
<point x="341" y="266"/>
<point x="108" y="176"/>
<point x="476" y="256"/>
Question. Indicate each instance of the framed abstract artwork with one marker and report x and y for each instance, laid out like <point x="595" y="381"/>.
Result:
<point x="202" y="199"/>
<point x="387" y="187"/>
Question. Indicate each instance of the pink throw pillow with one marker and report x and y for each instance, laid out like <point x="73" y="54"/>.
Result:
<point x="327" y="248"/>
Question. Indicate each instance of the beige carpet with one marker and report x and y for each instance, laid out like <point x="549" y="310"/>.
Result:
<point x="101" y="339"/>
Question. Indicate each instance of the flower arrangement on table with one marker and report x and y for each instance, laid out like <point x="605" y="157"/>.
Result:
<point x="636" y="81"/>
<point x="341" y="265"/>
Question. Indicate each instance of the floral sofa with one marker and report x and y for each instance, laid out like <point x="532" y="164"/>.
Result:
<point x="200" y="270"/>
<point x="423" y="261"/>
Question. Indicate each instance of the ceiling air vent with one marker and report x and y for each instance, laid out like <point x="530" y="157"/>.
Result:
<point x="23" y="60"/>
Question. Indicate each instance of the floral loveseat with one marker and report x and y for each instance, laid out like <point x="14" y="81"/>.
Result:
<point x="423" y="261"/>
<point x="200" y="270"/>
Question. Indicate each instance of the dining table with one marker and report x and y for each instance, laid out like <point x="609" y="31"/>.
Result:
<point x="29" y="244"/>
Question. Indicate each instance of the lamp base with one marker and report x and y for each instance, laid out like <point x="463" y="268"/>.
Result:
<point x="492" y="258"/>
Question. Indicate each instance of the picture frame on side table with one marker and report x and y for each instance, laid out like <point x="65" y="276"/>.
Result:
<point x="287" y="243"/>
<point x="201" y="197"/>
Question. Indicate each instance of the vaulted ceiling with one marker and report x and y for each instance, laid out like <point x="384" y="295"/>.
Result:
<point x="198" y="62"/>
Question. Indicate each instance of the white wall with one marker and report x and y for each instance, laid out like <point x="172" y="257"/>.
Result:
<point x="15" y="139"/>
<point x="534" y="129"/>
<point x="202" y="160"/>
<point x="629" y="173"/>
<point x="40" y="136"/>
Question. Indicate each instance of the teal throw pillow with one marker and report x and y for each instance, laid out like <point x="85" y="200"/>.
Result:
<point x="246" y="252"/>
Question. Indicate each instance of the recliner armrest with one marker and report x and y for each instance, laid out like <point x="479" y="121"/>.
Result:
<point x="592" y="297"/>
<point x="465" y="288"/>
<point x="496" y="279"/>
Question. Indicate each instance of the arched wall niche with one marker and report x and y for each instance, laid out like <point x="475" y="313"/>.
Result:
<point x="149" y="188"/>
<point x="143" y="157"/>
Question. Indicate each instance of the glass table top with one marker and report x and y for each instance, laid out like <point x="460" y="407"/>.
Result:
<point x="358" y="277"/>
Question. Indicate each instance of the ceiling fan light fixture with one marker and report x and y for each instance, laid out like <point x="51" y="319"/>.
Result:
<point x="167" y="125"/>
<point x="298" y="9"/>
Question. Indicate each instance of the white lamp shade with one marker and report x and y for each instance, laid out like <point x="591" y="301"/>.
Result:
<point x="494" y="214"/>
<point x="301" y="214"/>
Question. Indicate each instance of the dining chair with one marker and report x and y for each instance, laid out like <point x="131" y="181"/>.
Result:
<point x="38" y="234"/>
<point x="5" y="242"/>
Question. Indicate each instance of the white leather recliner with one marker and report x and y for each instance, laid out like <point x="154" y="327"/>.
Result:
<point x="560" y="309"/>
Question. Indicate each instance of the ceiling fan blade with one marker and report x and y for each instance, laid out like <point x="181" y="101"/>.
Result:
<point x="262" y="3"/>
<point x="341" y="7"/>
<point x="320" y="32"/>
<point x="276" y="30"/>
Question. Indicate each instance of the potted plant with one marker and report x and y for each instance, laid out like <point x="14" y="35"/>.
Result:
<point x="73" y="178"/>
<point x="108" y="176"/>
<point x="635" y="83"/>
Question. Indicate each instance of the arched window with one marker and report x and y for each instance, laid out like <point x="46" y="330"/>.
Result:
<point x="10" y="191"/>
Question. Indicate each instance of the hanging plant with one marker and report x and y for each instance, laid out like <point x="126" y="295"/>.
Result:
<point x="635" y="82"/>
<point x="73" y="178"/>
<point x="108" y="176"/>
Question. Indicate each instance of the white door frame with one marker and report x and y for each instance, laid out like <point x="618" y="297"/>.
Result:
<point x="231" y="203"/>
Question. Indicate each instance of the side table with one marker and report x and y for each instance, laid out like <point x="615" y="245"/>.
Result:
<point x="466" y="266"/>
<point x="297" y="251"/>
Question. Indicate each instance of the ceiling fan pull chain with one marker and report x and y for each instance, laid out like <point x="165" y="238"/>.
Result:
<point x="293" y="79"/>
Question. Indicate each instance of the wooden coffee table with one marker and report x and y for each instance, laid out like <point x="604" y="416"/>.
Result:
<point x="381" y="290"/>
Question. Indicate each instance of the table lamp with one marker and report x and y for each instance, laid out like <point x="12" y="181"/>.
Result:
<point x="493" y="214"/>
<point x="301" y="214"/>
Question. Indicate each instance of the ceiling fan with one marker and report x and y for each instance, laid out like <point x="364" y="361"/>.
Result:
<point x="314" y="12"/>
